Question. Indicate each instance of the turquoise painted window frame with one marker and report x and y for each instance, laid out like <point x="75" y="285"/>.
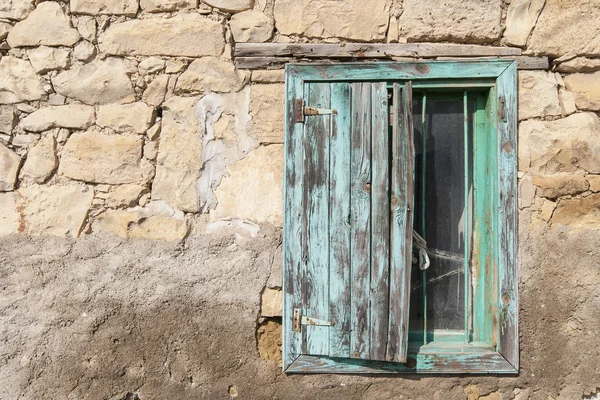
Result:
<point x="494" y="219"/>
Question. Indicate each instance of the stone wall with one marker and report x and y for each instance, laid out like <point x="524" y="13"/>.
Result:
<point x="140" y="176"/>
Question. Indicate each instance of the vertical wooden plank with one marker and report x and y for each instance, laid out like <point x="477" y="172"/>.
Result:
<point x="466" y="213"/>
<point x="507" y="217"/>
<point x="380" y="216"/>
<point x="292" y="232"/>
<point x="360" y="205"/>
<point x="484" y="262"/>
<point x="401" y="221"/>
<point x="423" y="203"/>
<point x="316" y="187"/>
<point x="480" y="213"/>
<point x="339" y="222"/>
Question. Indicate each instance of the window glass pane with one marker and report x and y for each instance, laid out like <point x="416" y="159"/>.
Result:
<point x="440" y="193"/>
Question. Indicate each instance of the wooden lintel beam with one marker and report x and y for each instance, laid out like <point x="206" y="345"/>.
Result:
<point x="523" y="62"/>
<point x="366" y="50"/>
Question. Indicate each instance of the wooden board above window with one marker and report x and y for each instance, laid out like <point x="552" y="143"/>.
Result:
<point x="276" y="55"/>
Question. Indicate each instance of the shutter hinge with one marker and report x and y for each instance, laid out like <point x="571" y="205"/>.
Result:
<point x="300" y="110"/>
<point x="502" y="108"/>
<point x="299" y="320"/>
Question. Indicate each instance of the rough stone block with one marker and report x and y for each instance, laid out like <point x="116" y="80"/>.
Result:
<point x="16" y="9"/>
<point x="210" y="74"/>
<point x="96" y="7"/>
<point x="266" y="108"/>
<point x="56" y="210"/>
<point x="276" y="277"/>
<point x="547" y="210"/>
<point x="19" y="82"/>
<point x="230" y="5"/>
<point x="594" y="181"/>
<point x="154" y="130"/>
<point x="546" y="148"/>
<point x="585" y="89"/>
<point x="167" y="5"/>
<point x="84" y="51"/>
<point x="251" y="26"/>
<point x="134" y="117"/>
<point x="47" y="25"/>
<point x="271" y="304"/>
<point x="582" y="213"/>
<point x="87" y="28"/>
<point x="100" y="158"/>
<point x="553" y="186"/>
<point x="269" y="341"/>
<point x="56" y="99"/>
<point x="188" y="35"/>
<point x="151" y="65"/>
<point x="268" y="76"/>
<point x="156" y="222"/>
<point x="156" y="90"/>
<point x="41" y="160"/>
<point x="99" y="82"/>
<point x="125" y="196"/>
<point x="579" y="64"/>
<point x="567" y="101"/>
<point x="520" y="20"/>
<point x="393" y="34"/>
<point x="567" y="27"/>
<point x="526" y="192"/>
<point x="72" y="116"/>
<point x="151" y="150"/>
<point x="179" y="158"/>
<point x="365" y="20"/>
<point x="538" y="94"/>
<point x="260" y="201"/>
<point x="8" y="119"/>
<point x="174" y="66"/>
<point x="44" y="59"/>
<point x="5" y="27"/>
<point x="9" y="168"/>
<point x="454" y="20"/>
<point x="24" y="140"/>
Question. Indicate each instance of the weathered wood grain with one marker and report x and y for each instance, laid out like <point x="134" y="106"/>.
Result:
<point x="360" y="206"/>
<point x="263" y="62"/>
<point x="316" y="187"/>
<point x="293" y="217"/>
<point x="494" y="234"/>
<point x="390" y="71"/>
<point x="523" y="62"/>
<point x="478" y="362"/>
<point x="401" y="221"/>
<point x="380" y="217"/>
<point x="339" y="222"/>
<point x="365" y="50"/>
<point x="507" y="219"/>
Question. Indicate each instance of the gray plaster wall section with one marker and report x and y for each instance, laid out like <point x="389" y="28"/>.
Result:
<point x="99" y="317"/>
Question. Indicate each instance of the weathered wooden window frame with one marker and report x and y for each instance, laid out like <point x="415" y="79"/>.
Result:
<point x="496" y="258"/>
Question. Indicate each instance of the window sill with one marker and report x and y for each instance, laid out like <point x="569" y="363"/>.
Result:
<point x="469" y="360"/>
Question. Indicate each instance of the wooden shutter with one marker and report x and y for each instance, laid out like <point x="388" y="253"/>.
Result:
<point x="348" y="221"/>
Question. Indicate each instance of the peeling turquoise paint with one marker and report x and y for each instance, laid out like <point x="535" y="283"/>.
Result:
<point x="316" y="283"/>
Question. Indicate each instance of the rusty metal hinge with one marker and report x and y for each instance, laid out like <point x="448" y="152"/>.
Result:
<point x="299" y="320"/>
<point x="502" y="108"/>
<point x="300" y="110"/>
